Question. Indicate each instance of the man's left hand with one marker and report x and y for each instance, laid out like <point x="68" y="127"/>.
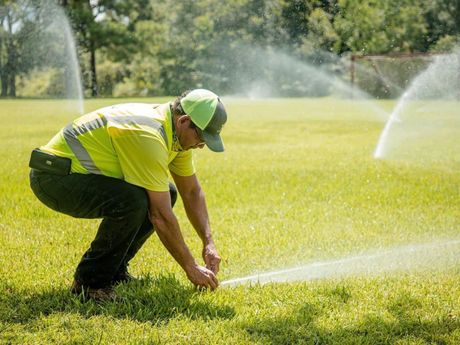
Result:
<point x="211" y="258"/>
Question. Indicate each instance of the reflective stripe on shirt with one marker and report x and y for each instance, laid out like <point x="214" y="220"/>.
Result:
<point x="139" y="120"/>
<point x="71" y="134"/>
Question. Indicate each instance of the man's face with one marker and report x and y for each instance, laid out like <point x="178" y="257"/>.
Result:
<point x="188" y="134"/>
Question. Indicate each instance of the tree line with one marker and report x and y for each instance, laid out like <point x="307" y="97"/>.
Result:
<point x="161" y="47"/>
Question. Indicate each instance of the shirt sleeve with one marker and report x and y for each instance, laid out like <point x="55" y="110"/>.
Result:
<point x="183" y="164"/>
<point x="143" y="158"/>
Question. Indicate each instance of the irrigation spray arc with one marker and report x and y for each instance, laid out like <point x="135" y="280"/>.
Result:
<point x="427" y="256"/>
<point x="440" y="81"/>
<point x="49" y="55"/>
<point x="61" y="30"/>
<point x="266" y="72"/>
<point x="74" y="83"/>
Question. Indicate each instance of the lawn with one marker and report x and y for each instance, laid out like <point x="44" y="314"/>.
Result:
<point x="296" y="186"/>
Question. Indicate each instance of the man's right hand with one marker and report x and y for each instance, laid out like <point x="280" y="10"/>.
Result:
<point x="202" y="277"/>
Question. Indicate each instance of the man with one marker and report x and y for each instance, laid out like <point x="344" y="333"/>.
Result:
<point x="113" y="164"/>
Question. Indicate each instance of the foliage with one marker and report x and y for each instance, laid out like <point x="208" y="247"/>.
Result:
<point x="166" y="46"/>
<point x="110" y="73"/>
<point x="101" y="24"/>
<point x="442" y="18"/>
<point x="377" y="27"/>
<point x="446" y="44"/>
<point x="42" y="83"/>
<point x="32" y="37"/>
<point x="322" y="34"/>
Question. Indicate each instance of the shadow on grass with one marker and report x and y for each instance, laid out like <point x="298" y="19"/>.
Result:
<point x="400" y="325"/>
<point x="155" y="300"/>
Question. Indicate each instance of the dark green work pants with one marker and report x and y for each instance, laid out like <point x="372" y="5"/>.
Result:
<point x="123" y="208"/>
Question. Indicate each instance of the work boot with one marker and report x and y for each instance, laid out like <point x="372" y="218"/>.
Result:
<point x="96" y="294"/>
<point x="123" y="276"/>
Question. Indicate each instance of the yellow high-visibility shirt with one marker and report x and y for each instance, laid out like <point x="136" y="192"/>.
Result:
<point x="132" y="141"/>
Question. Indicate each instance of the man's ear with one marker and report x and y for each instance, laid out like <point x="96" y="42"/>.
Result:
<point x="183" y="118"/>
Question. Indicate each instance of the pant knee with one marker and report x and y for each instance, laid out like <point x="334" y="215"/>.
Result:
<point x="131" y="202"/>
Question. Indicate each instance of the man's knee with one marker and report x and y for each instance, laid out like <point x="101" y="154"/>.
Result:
<point x="172" y="193"/>
<point x="132" y="201"/>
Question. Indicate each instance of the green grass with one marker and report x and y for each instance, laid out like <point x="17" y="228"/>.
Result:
<point x="296" y="185"/>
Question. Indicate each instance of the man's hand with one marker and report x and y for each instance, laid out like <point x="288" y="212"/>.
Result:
<point x="211" y="258"/>
<point x="202" y="277"/>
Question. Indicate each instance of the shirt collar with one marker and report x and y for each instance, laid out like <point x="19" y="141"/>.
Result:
<point x="176" y="146"/>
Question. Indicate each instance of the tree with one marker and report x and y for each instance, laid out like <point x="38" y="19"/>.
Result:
<point x="9" y="17"/>
<point x="322" y="34"/>
<point x="18" y="21"/>
<point x="377" y="27"/>
<point x="154" y="47"/>
<point x="295" y="19"/>
<point x="3" y="39"/>
<point x="443" y="19"/>
<point x="99" y="24"/>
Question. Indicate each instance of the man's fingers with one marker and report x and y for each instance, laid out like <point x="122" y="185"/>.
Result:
<point x="216" y="267"/>
<point x="213" y="268"/>
<point x="205" y="279"/>
<point x="215" y="281"/>
<point x="213" y="263"/>
<point x="212" y="281"/>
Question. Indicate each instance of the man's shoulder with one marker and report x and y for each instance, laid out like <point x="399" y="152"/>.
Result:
<point x="139" y="109"/>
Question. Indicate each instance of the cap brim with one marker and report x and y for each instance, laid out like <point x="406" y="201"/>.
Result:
<point x="213" y="141"/>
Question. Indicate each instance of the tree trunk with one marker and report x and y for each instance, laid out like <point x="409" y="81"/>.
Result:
<point x="4" y="79"/>
<point x="92" y="52"/>
<point x="12" y="82"/>
<point x="10" y="67"/>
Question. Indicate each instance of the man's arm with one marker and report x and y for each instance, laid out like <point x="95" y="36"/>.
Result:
<point x="195" y="205"/>
<point x="168" y="230"/>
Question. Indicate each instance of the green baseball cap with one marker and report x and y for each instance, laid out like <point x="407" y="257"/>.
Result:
<point x="208" y="113"/>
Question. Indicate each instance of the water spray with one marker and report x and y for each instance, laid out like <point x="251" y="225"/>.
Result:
<point x="429" y="256"/>
<point x="439" y="81"/>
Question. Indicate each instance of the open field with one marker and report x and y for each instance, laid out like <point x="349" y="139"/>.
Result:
<point x="297" y="185"/>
